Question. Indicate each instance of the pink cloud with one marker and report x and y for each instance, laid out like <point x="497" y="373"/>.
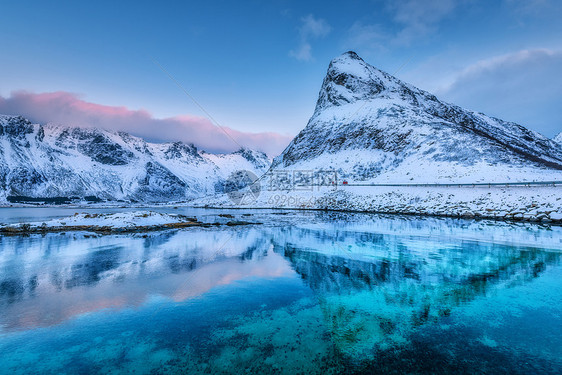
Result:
<point x="68" y="109"/>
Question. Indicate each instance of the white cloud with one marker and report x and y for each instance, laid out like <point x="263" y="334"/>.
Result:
<point x="362" y="35"/>
<point x="69" y="109"/>
<point x="534" y="7"/>
<point x="419" y="18"/>
<point x="311" y="28"/>
<point x="412" y="20"/>
<point x="524" y="86"/>
<point x="302" y="53"/>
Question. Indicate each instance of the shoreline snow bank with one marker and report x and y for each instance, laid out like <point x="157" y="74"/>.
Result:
<point x="136" y="221"/>
<point x="535" y="204"/>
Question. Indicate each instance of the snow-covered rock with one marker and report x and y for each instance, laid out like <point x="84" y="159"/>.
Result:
<point x="371" y="127"/>
<point x="519" y="203"/>
<point x="120" y="222"/>
<point x="558" y="138"/>
<point x="114" y="220"/>
<point x="57" y="161"/>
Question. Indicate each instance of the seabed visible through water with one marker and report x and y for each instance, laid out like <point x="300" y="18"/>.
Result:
<point x="306" y="292"/>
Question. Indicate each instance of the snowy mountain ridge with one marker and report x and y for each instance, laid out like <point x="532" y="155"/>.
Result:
<point x="371" y="127"/>
<point x="391" y="142"/>
<point x="59" y="161"/>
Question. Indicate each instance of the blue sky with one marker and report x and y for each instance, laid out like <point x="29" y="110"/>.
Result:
<point x="257" y="66"/>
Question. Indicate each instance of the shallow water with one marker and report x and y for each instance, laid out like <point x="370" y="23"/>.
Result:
<point x="306" y="292"/>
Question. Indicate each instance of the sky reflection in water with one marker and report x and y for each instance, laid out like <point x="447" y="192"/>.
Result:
<point x="318" y="293"/>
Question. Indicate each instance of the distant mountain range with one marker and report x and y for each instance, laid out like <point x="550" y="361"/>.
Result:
<point x="38" y="161"/>
<point x="371" y="127"/>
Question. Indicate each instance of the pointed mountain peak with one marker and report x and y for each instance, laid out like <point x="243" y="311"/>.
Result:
<point x="349" y="63"/>
<point x="350" y="78"/>
<point x="350" y="55"/>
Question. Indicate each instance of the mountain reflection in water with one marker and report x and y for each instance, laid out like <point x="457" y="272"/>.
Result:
<point x="377" y="280"/>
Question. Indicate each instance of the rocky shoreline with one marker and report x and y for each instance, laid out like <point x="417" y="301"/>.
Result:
<point x="527" y="208"/>
<point x="132" y="222"/>
<point x="524" y="204"/>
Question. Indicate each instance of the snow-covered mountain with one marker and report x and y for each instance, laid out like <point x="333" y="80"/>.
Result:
<point x="371" y="127"/>
<point x="57" y="161"/>
<point x="558" y="138"/>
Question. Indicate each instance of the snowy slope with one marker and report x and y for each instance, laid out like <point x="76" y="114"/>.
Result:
<point x="372" y="127"/>
<point x="50" y="161"/>
<point x="558" y="138"/>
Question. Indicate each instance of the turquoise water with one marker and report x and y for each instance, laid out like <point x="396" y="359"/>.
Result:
<point x="302" y="293"/>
